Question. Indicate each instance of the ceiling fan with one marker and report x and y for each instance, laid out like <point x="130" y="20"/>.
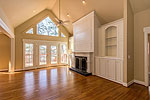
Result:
<point x="58" y="20"/>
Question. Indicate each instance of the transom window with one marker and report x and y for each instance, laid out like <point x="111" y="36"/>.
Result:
<point x="62" y="35"/>
<point x="30" y="31"/>
<point x="47" y="27"/>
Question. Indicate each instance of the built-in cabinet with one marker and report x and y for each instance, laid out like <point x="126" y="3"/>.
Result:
<point x="109" y="63"/>
<point x="109" y="68"/>
<point x="102" y="45"/>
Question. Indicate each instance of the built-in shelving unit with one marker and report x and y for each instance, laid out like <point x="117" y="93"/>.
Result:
<point x="109" y="63"/>
<point x="111" y="41"/>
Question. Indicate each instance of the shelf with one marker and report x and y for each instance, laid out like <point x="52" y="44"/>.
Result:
<point x="111" y="45"/>
<point x="111" y="37"/>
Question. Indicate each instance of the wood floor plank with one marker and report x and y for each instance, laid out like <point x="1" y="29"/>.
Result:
<point x="61" y="84"/>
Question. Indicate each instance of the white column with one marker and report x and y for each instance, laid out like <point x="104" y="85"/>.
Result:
<point x="12" y="62"/>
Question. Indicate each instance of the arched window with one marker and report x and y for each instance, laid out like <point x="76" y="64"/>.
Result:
<point x="47" y="27"/>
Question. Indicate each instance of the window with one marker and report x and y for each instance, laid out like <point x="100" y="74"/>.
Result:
<point x="30" y="31"/>
<point x="28" y="55"/>
<point x="53" y="54"/>
<point x="63" y="53"/>
<point x="62" y="35"/>
<point x="42" y="55"/>
<point x="47" y="27"/>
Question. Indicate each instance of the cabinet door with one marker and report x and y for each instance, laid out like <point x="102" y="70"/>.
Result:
<point x="111" y="69"/>
<point x="103" y="67"/>
<point x="97" y="64"/>
<point x="119" y="71"/>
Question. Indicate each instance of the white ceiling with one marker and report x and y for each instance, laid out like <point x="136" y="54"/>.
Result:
<point x="18" y="11"/>
<point x="140" y="5"/>
<point x="106" y="10"/>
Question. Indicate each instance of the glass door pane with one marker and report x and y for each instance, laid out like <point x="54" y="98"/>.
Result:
<point x="53" y="54"/>
<point x="63" y="49"/>
<point x="28" y="55"/>
<point x="43" y="55"/>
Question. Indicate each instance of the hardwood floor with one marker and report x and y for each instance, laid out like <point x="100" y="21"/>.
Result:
<point x="62" y="84"/>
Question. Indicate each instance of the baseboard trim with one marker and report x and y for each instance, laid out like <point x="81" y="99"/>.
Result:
<point x="124" y="84"/>
<point x="3" y="70"/>
<point x="130" y="83"/>
<point x="34" y="68"/>
<point x="139" y="82"/>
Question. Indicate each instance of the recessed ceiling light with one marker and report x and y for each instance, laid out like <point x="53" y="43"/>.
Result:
<point x="68" y="15"/>
<point x="84" y="2"/>
<point x="34" y="11"/>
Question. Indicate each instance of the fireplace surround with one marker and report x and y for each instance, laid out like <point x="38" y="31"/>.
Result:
<point x="82" y="64"/>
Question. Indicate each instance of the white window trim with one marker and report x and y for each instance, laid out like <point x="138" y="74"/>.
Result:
<point x="36" y="44"/>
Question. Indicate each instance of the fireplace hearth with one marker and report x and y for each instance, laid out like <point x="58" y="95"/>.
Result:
<point x="81" y="66"/>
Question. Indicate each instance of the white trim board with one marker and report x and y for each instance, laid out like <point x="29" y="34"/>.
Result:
<point x="140" y="82"/>
<point x="7" y="31"/>
<point x="2" y="70"/>
<point x="146" y="55"/>
<point x="132" y="82"/>
<point x="34" y="68"/>
<point x="128" y="84"/>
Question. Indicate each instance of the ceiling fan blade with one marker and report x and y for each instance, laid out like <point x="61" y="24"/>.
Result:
<point x="65" y="24"/>
<point x="57" y="19"/>
<point x="66" y="21"/>
<point x="58" y="25"/>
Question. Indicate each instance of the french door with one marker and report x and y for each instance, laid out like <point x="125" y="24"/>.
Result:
<point x="54" y="54"/>
<point x="42" y="54"/>
<point x="63" y="53"/>
<point x="28" y="57"/>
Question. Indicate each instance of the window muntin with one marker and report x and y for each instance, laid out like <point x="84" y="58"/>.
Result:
<point x="30" y="31"/>
<point x="28" y="55"/>
<point x="53" y="54"/>
<point x="47" y="27"/>
<point x="42" y="54"/>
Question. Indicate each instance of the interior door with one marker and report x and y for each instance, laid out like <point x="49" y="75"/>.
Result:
<point x="111" y="69"/>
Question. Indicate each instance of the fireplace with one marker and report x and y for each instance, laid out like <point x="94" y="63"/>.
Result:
<point x="80" y="65"/>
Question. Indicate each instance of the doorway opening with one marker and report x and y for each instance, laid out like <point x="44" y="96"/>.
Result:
<point x="146" y="55"/>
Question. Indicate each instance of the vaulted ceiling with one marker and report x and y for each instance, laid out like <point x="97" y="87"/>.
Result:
<point x="106" y="10"/>
<point x="18" y="11"/>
